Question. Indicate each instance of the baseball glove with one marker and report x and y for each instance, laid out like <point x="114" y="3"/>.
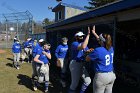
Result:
<point x="43" y="69"/>
<point x="58" y="63"/>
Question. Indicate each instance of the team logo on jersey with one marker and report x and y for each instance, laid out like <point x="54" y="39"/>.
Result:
<point x="17" y="46"/>
<point x="64" y="49"/>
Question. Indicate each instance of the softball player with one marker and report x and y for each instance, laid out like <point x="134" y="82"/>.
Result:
<point x="42" y="67"/>
<point x="16" y="49"/>
<point x="77" y="69"/>
<point x="62" y="60"/>
<point x="28" y="49"/>
<point x="35" y="47"/>
<point x="103" y="64"/>
<point x="15" y="39"/>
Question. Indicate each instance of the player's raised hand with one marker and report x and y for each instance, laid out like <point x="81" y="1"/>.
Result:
<point x="88" y="30"/>
<point x="93" y="29"/>
<point x="94" y="33"/>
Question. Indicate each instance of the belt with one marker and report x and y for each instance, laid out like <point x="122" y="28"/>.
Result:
<point x="41" y="64"/>
<point x="105" y="72"/>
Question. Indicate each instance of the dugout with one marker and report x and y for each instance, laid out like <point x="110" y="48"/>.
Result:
<point x="127" y="48"/>
<point x="121" y="19"/>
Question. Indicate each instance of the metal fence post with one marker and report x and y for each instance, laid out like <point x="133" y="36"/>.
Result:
<point x="6" y="34"/>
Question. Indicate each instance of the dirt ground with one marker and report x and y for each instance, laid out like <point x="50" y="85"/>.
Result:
<point x="2" y="51"/>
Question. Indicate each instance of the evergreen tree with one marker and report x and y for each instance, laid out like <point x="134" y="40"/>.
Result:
<point x="47" y="21"/>
<point x="97" y="3"/>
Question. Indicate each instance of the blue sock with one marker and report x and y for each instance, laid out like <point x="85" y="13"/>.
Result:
<point x="84" y="87"/>
<point x="46" y="85"/>
<point x="36" y="83"/>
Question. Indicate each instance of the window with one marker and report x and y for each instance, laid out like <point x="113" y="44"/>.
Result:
<point x="59" y="15"/>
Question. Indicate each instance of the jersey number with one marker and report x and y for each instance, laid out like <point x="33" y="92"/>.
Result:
<point x="107" y="57"/>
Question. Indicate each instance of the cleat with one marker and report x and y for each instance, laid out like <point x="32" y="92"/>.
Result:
<point x="35" y="88"/>
<point x="46" y="91"/>
<point x="17" y="67"/>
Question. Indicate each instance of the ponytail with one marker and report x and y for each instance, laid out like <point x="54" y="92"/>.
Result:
<point x="108" y="41"/>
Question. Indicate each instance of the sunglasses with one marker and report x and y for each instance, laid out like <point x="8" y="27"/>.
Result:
<point x="80" y="36"/>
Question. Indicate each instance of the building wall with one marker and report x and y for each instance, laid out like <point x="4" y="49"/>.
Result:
<point x="70" y="12"/>
<point x="67" y="12"/>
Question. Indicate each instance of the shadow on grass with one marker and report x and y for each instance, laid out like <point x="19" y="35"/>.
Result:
<point x="9" y="65"/>
<point x="27" y="82"/>
<point x="10" y="59"/>
<point x="55" y="86"/>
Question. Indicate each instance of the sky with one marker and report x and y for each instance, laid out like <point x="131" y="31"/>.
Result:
<point x="38" y="8"/>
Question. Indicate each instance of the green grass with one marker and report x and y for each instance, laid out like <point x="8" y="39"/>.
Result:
<point x="19" y="81"/>
<point x="13" y="80"/>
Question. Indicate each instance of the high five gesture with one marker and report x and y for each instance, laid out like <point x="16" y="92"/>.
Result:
<point x="94" y="33"/>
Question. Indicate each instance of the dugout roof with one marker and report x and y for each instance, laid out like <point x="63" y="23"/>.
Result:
<point x="114" y="7"/>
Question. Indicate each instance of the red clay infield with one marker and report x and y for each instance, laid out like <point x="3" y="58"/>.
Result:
<point x="2" y="51"/>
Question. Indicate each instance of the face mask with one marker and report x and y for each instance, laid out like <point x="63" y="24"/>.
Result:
<point x="41" y="43"/>
<point x="80" y="40"/>
<point x="64" y="43"/>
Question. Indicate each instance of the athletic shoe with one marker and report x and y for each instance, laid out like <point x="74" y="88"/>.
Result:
<point x="46" y="91"/>
<point x="17" y="67"/>
<point x="50" y="84"/>
<point x="35" y="88"/>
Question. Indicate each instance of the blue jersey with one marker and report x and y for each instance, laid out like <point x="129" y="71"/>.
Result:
<point x="25" y="44"/>
<point x="16" y="48"/>
<point x="42" y="57"/>
<point x="103" y="59"/>
<point x="31" y="42"/>
<point x="28" y="44"/>
<point x="35" y="47"/>
<point x="76" y="54"/>
<point x="61" y="51"/>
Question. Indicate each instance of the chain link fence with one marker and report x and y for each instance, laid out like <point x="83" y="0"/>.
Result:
<point x="13" y="25"/>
